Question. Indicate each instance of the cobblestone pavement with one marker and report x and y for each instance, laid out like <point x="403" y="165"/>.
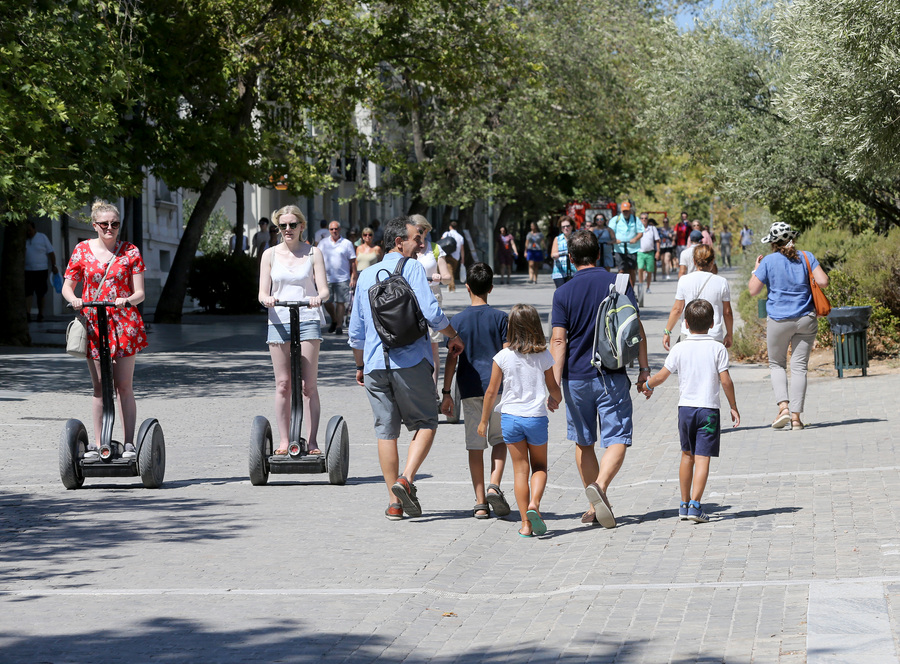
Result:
<point x="801" y="561"/>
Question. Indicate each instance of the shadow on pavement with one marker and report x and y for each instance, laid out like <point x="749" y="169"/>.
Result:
<point x="177" y="640"/>
<point x="46" y="529"/>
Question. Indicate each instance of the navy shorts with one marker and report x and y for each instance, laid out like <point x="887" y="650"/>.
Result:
<point x="699" y="430"/>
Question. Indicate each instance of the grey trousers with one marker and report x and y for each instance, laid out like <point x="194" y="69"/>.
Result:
<point x="799" y="334"/>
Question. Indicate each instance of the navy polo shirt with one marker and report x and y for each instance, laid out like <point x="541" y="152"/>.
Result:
<point x="483" y="331"/>
<point x="575" y="305"/>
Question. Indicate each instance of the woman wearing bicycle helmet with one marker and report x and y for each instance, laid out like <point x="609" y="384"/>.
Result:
<point x="791" y="317"/>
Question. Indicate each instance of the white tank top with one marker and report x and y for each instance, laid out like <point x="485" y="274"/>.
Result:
<point x="289" y="284"/>
<point x="429" y="262"/>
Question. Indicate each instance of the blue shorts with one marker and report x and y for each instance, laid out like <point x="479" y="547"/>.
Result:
<point x="535" y="255"/>
<point x="699" y="430"/>
<point x="607" y="397"/>
<point x="280" y="333"/>
<point x="533" y="430"/>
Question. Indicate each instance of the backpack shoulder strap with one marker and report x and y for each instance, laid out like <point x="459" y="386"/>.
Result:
<point x="621" y="283"/>
<point x="400" y="264"/>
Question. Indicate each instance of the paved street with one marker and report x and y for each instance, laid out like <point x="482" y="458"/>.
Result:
<point x="800" y="563"/>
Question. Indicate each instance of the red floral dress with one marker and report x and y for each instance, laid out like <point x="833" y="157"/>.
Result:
<point x="126" y="334"/>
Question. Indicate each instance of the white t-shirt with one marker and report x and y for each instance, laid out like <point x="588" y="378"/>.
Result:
<point x="36" y="250"/>
<point x="430" y="263"/>
<point x="337" y="257"/>
<point x="698" y="361"/>
<point x="649" y="238"/>
<point x="524" y="387"/>
<point x="320" y="235"/>
<point x="710" y="287"/>
<point x="687" y="258"/>
<point x="459" y="243"/>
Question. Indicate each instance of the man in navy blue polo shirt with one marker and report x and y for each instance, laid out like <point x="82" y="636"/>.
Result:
<point x="591" y="393"/>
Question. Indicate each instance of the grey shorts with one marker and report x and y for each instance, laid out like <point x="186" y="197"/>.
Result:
<point x="402" y="396"/>
<point x="340" y="291"/>
<point x="471" y="409"/>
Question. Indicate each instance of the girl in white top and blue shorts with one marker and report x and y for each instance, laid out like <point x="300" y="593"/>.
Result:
<point x="294" y="270"/>
<point x="525" y="367"/>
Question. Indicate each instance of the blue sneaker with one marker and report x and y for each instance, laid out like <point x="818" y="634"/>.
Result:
<point x="696" y="514"/>
<point x="683" y="511"/>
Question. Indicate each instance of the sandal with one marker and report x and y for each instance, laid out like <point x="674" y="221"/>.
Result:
<point x="497" y="500"/>
<point x="796" y="425"/>
<point x="281" y="452"/>
<point x="481" y="507"/>
<point x="784" y="418"/>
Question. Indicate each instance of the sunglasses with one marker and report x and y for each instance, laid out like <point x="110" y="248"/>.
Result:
<point x="368" y="235"/>
<point x="567" y="226"/>
<point x="292" y="225"/>
<point x="104" y="225"/>
<point x="334" y="230"/>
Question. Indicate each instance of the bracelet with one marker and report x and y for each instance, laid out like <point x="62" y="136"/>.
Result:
<point x="447" y="392"/>
<point x="360" y="367"/>
<point x="453" y="337"/>
<point x="668" y="333"/>
<point x="643" y="369"/>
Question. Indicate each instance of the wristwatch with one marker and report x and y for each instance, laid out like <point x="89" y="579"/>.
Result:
<point x="643" y="369"/>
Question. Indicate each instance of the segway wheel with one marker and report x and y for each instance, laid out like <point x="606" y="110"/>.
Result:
<point x="72" y="445"/>
<point x="337" y="452"/>
<point x="151" y="454"/>
<point x="454" y="418"/>
<point x="260" y="450"/>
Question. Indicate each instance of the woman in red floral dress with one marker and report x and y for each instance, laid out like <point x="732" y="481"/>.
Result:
<point x="124" y="285"/>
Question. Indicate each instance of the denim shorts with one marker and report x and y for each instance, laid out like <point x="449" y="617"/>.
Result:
<point x="606" y="397"/>
<point x="280" y="333"/>
<point x="533" y="430"/>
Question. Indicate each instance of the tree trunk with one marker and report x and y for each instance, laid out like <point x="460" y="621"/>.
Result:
<point x="239" y="216"/>
<point x="171" y="300"/>
<point x="417" y="206"/>
<point x="465" y="221"/>
<point x="13" y="317"/>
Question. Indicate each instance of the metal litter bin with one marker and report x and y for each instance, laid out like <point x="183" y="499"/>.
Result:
<point x="849" y="325"/>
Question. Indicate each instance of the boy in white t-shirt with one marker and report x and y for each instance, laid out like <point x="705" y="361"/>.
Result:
<point x="701" y="363"/>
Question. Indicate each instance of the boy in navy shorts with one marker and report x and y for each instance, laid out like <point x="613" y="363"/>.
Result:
<point x="701" y="363"/>
<point x="483" y="331"/>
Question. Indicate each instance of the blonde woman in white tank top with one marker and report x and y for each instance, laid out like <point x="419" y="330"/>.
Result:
<point x="294" y="270"/>
<point x="438" y="273"/>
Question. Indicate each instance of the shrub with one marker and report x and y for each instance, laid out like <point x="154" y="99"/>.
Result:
<point x="226" y="282"/>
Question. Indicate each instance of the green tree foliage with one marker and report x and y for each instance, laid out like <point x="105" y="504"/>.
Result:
<point x="725" y="82"/>
<point x="845" y="55"/>
<point x="66" y="76"/>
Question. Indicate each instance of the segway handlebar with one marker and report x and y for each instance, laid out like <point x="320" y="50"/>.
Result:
<point x="291" y="303"/>
<point x="96" y="304"/>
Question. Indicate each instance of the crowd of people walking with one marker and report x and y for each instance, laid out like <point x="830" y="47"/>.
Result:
<point x="508" y="373"/>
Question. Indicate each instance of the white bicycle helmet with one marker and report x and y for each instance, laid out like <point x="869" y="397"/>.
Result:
<point x="780" y="232"/>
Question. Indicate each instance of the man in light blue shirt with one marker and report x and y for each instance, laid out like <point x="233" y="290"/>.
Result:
<point x="628" y="240"/>
<point x="402" y="393"/>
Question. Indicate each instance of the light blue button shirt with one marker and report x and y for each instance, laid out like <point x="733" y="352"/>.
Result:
<point x="363" y="335"/>
<point x="625" y="229"/>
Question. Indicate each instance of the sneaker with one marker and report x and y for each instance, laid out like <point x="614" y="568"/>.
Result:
<point x="339" y="330"/>
<point x="648" y="291"/>
<point x="683" y="511"/>
<point x="332" y="327"/>
<point x="92" y="452"/>
<point x="696" y="514"/>
<point x="602" y="508"/>
<point x="129" y="452"/>
<point x="406" y="494"/>
<point x="394" y="512"/>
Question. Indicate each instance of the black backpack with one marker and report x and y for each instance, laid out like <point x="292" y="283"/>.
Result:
<point x="395" y="310"/>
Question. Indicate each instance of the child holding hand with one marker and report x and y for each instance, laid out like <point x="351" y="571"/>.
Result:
<point x="701" y="363"/>
<point x="525" y="369"/>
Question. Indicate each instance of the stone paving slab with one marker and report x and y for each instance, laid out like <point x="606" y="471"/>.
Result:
<point x="210" y="568"/>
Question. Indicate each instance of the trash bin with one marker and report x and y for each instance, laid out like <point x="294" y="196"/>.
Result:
<point x="848" y="325"/>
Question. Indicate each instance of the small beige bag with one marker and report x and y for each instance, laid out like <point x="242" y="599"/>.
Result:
<point x="76" y="332"/>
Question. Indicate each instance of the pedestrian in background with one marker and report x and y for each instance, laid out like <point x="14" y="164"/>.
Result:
<point x="340" y="265"/>
<point x="507" y="253"/>
<point x="725" y="246"/>
<point x="791" y="317"/>
<point x="628" y="240"/>
<point x="534" y="252"/>
<point x="39" y="259"/>
<point x="703" y="284"/>
<point x="434" y="261"/>
<point x="559" y="252"/>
